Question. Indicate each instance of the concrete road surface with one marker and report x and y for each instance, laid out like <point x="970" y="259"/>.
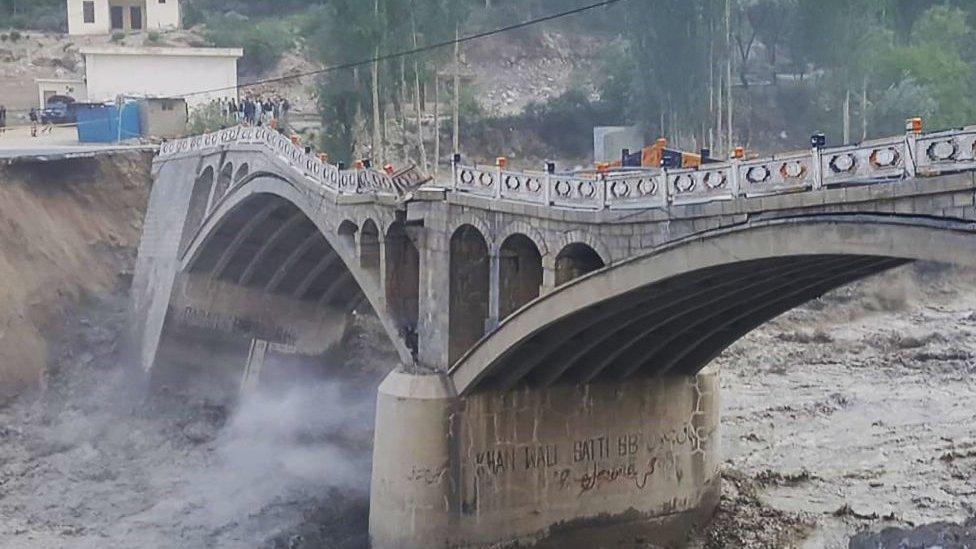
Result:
<point x="17" y="143"/>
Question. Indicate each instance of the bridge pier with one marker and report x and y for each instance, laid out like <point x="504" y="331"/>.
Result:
<point x="605" y="462"/>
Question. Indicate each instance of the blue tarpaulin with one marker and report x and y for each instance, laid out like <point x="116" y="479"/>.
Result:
<point x="99" y="123"/>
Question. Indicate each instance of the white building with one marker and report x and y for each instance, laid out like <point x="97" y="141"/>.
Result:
<point x="161" y="72"/>
<point x="108" y="16"/>
<point x="67" y="87"/>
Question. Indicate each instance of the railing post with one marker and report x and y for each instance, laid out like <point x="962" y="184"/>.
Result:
<point x="498" y="182"/>
<point x="734" y="177"/>
<point x="911" y="149"/>
<point x="668" y="198"/>
<point x="605" y="203"/>
<point x="547" y="191"/>
<point x="817" y="167"/>
<point x="455" y="171"/>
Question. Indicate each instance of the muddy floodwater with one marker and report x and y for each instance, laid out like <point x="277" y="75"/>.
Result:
<point x="852" y="417"/>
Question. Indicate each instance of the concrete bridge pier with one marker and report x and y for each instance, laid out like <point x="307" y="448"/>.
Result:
<point x="559" y="466"/>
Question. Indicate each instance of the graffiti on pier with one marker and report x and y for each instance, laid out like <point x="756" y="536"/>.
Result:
<point x="590" y="464"/>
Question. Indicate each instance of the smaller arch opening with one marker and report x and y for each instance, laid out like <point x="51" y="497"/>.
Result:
<point x="469" y="284"/>
<point x="369" y="247"/>
<point x="576" y="260"/>
<point x="199" y="197"/>
<point x="520" y="274"/>
<point x="242" y="172"/>
<point x="403" y="281"/>
<point x="347" y="234"/>
<point x="223" y="184"/>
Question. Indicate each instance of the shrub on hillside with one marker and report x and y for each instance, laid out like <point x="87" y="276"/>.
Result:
<point x="264" y="41"/>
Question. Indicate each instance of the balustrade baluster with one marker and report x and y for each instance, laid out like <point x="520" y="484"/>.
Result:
<point x="817" y="156"/>
<point x="602" y="191"/>
<point x="498" y="182"/>
<point x="734" y="177"/>
<point x="547" y="192"/>
<point x="909" y="154"/>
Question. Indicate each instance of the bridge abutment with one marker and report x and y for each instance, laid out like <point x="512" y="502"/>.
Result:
<point x="611" y="462"/>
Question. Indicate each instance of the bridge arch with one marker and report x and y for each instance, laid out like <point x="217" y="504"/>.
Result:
<point x="224" y="182"/>
<point x="527" y="230"/>
<point x="369" y="246"/>
<point x="469" y="289"/>
<point x="347" y="235"/>
<point x="674" y="308"/>
<point x="402" y="278"/>
<point x="261" y="206"/>
<point x="476" y="222"/>
<point x="575" y="260"/>
<point x="520" y="273"/>
<point x="199" y="204"/>
<point x="242" y="172"/>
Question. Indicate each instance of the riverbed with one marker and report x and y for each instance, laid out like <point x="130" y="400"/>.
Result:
<point x="849" y="416"/>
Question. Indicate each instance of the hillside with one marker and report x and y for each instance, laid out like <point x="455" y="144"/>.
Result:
<point x="785" y="68"/>
<point x="82" y="219"/>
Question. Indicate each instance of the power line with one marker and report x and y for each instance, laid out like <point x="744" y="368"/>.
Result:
<point x="414" y="51"/>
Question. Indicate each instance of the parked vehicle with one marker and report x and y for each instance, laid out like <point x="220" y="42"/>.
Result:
<point x="60" y="109"/>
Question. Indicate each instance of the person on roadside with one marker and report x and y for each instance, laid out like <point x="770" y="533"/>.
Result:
<point x="285" y="108"/>
<point x="32" y="115"/>
<point x="248" y="110"/>
<point x="3" y="119"/>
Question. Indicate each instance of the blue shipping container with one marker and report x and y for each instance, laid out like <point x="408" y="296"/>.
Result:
<point x="99" y="123"/>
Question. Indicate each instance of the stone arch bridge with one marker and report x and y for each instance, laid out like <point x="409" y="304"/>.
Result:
<point x="552" y="329"/>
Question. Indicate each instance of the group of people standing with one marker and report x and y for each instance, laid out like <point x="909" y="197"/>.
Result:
<point x="256" y="110"/>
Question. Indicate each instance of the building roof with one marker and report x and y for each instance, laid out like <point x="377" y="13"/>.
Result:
<point x="59" y="80"/>
<point x="163" y="52"/>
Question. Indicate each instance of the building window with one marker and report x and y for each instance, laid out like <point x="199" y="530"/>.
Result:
<point x="89" y="11"/>
<point x="135" y="17"/>
<point x="118" y="17"/>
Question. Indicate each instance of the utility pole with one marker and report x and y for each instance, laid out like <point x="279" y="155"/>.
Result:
<point x="847" y="115"/>
<point x="457" y="89"/>
<point x="728" y="70"/>
<point x="378" y="152"/>
<point x="437" y="121"/>
<point x="416" y="98"/>
<point x="710" y="137"/>
<point x="864" y="108"/>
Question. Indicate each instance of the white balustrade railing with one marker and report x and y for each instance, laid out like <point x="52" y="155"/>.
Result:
<point x="312" y="168"/>
<point x="946" y="151"/>
<point x="866" y="163"/>
<point x="636" y="189"/>
<point x="780" y="174"/>
<point x="696" y="186"/>
<point x="576" y="192"/>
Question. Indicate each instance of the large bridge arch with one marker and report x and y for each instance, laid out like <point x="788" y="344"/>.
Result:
<point x="671" y="310"/>
<point x="302" y="225"/>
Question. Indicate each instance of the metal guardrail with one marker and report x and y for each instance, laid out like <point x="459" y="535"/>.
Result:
<point x="876" y="161"/>
<point x="313" y="169"/>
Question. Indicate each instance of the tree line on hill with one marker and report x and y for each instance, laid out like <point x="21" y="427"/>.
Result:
<point x="704" y="73"/>
<point x="715" y="73"/>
